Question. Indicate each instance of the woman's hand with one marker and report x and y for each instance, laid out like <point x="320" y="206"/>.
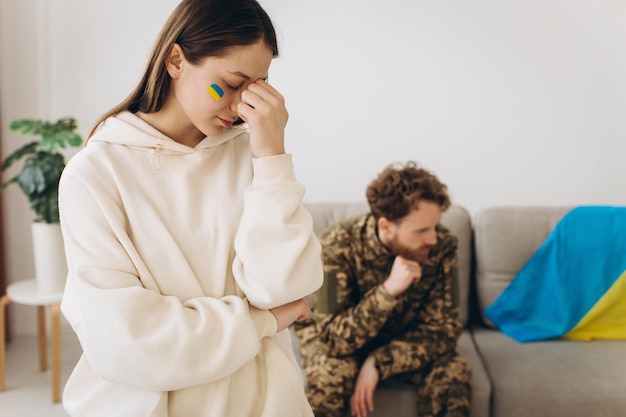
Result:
<point x="263" y="108"/>
<point x="288" y="313"/>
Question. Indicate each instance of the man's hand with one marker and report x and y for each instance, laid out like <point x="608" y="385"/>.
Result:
<point x="404" y="272"/>
<point x="362" y="400"/>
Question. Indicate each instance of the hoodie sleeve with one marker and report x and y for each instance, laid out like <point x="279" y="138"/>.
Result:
<point x="278" y="255"/>
<point x="130" y="333"/>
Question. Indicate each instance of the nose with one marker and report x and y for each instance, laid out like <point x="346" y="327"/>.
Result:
<point x="235" y="101"/>
<point x="432" y="238"/>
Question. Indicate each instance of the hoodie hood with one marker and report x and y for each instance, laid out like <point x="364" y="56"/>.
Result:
<point x="123" y="129"/>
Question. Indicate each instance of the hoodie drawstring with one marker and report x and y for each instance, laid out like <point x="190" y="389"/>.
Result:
<point x="156" y="157"/>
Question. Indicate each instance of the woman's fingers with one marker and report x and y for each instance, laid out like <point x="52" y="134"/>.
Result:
<point x="263" y="108"/>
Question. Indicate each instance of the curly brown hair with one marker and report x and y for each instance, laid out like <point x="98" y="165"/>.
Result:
<point x="399" y="189"/>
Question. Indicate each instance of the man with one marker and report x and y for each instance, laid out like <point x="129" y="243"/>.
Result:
<point x="386" y="308"/>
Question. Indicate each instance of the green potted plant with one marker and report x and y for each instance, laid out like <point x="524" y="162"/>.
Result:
<point x="39" y="181"/>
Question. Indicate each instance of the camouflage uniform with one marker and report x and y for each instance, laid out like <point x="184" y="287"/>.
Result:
<point x="412" y="337"/>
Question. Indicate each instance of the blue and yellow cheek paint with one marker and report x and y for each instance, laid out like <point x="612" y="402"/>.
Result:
<point x="215" y="91"/>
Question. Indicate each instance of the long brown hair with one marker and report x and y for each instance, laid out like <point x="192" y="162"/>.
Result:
<point x="202" y="28"/>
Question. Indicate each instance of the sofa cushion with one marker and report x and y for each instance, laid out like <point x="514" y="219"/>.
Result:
<point x="554" y="378"/>
<point x="569" y="287"/>
<point x="505" y="239"/>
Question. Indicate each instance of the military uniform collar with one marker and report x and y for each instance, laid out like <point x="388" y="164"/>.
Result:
<point x="371" y="231"/>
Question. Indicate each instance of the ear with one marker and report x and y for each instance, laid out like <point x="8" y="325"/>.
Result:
<point x="174" y="61"/>
<point x="384" y="225"/>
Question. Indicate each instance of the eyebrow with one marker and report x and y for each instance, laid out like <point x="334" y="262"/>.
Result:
<point x="244" y="75"/>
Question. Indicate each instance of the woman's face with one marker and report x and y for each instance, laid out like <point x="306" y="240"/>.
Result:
<point x="193" y="108"/>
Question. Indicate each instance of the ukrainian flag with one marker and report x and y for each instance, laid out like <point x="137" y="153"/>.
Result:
<point x="574" y="286"/>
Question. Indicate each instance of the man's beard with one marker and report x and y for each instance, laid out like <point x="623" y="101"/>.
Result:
<point x="419" y="255"/>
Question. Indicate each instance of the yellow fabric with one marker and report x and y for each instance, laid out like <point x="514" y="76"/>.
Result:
<point x="607" y="319"/>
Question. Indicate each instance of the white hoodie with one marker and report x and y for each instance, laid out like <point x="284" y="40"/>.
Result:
<point x="175" y="255"/>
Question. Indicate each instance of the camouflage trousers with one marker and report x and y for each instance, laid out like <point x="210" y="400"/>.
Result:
<point x="443" y="387"/>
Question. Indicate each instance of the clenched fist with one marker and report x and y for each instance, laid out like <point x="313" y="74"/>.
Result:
<point x="404" y="272"/>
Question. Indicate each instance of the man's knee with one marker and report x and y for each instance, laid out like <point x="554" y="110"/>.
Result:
<point x="451" y="367"/>
<point x="330" y="383"/>
<point x="446" y="389"/>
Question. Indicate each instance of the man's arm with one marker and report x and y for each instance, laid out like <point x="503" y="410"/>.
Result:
<point x="437" y="327"/>
<point x="346" y="320"/>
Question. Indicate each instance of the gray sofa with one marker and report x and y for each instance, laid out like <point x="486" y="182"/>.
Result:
<point x="510" y="379"/>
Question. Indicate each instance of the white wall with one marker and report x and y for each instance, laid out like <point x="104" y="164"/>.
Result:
<point x="510" y="102"/>
<point x="516" y="102"/>
<point x="20" y="64"/>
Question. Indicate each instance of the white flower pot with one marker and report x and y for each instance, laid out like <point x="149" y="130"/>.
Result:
<point x="49" y="255"/>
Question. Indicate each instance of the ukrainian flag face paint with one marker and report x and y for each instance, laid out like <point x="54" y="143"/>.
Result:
<point x="215" y="91"/>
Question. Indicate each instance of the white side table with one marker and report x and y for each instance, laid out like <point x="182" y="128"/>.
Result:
<point x="25" y="292"/>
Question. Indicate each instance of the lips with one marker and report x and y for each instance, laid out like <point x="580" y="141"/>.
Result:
<point x="226" y="123"/>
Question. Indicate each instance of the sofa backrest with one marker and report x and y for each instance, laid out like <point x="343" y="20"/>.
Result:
<point x="505" y="238"/>
<point x="456" y="218"/>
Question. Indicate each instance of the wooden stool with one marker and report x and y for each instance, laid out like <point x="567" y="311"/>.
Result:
<point x="25" y="292"/>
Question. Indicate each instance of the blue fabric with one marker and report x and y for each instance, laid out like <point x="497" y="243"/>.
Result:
<point x="579" y="261"/>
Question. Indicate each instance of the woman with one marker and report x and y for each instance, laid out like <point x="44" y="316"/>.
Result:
<point x="188" y="248"/>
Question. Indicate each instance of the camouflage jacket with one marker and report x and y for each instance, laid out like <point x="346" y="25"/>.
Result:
<point x="354" y="314"/>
